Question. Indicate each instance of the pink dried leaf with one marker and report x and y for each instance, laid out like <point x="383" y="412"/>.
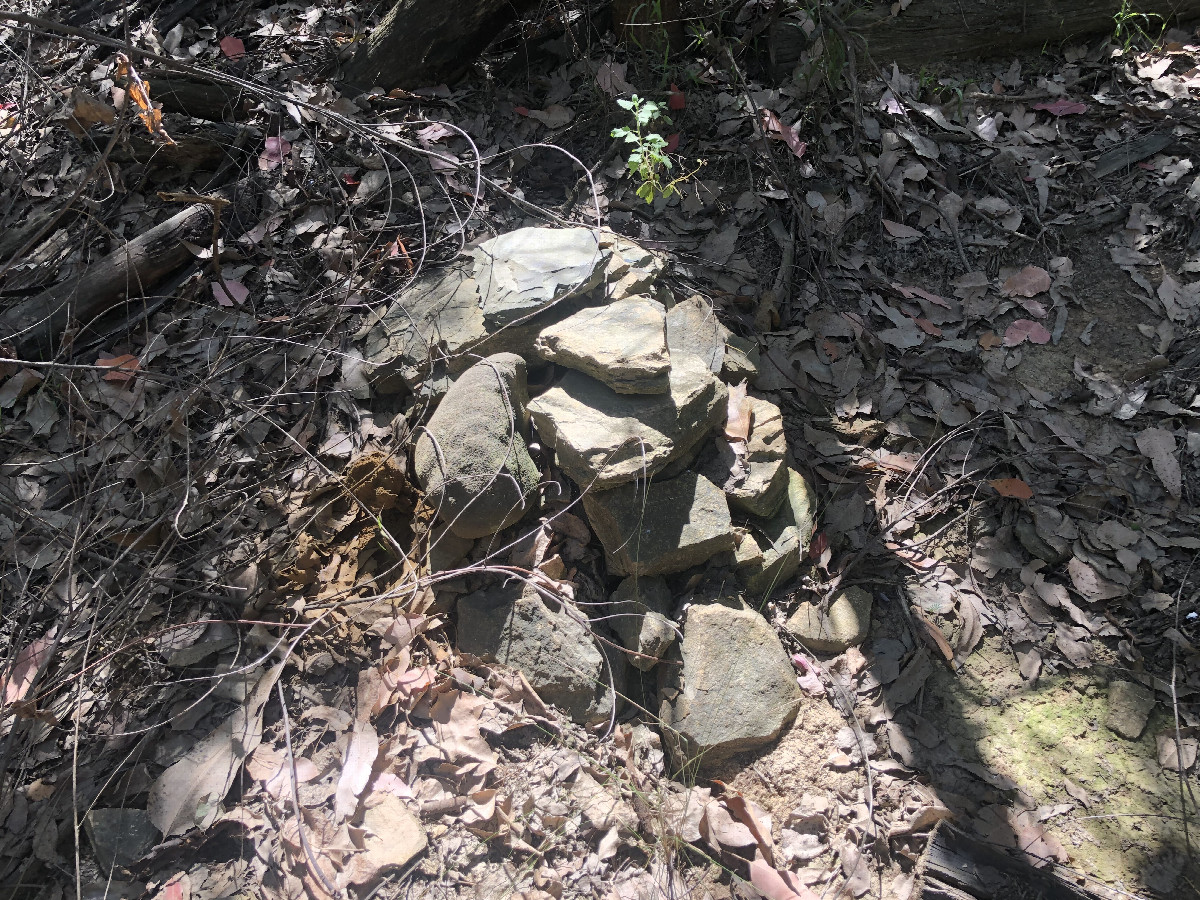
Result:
<point x="274" y="152"/>
<point x="26" y="665"/>
<point x="1026" y="330"/>
<point x="232" y="47"/>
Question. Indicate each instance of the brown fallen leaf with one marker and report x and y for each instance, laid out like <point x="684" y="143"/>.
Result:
<point x="361" y="752"/>
<point x="25" y="667"/>
<point x="1029" y="281"/>
<point x="1026" y="330"/>
<point x="1012" y="487"/>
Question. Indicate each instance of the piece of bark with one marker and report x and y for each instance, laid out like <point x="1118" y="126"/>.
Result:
<point x="35" y="326"/>
<point x="955" y="29"/>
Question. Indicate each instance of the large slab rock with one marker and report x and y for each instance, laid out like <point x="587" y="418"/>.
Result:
<point x="757" y="482"/>
<point x="603" y="438"/>
<point x="524" y="271"/>
<point x="472" y="458"/>
<point x="735" y="691"/>
<point x="623" y="345"/>
<point x="428" y="329"/>
<point x="443" y="323"/>
<point x="770" y="554"/>
<point x="661" y="527"/>
<point x="638" y="611"/>
<point x="513" y="625"/>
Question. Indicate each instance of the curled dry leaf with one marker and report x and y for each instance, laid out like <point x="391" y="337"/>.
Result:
<point x="776" y="129"/>
<point x="900" y="231"/>
<point x="274" y="153"/>
<point x="932" y="635"/>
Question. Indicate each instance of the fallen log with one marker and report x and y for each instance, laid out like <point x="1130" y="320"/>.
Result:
<point x="215" y="101"/>
<point x="932" y="30"/>
<point x="34" y="326"/>
<point x="956" y="866"/>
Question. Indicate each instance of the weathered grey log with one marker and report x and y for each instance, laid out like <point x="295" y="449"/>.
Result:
<point x="956" y="866"/>
<point x="35" y="325"/>
<point x="210" y="100"/>
<point x="955" y="29"/>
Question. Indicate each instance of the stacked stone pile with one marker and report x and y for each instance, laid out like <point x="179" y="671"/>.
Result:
<point x="633" y="403"/>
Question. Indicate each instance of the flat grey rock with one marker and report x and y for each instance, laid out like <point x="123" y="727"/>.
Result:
<point x="757" y="482"/>
<point x="735" y="691"/>
<point x="662" y="527"/>
<point x="1129" y="707"/>
<point x="513" y="625"/>
<point x="120" y="836"/>
<point x="639" y="609"/>
<point x="472" y="458"/>
<point x="603" y="438"/>
<point x="623" y="344"/>
<point x="430" y="327"/>
<point x="783" y="540"/>
<point x="524" y="271"/>
<point x="846" y="624"/>
<point x="693" y="327"/>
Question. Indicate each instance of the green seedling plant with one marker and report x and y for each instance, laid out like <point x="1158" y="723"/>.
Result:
<point x="648" y="159"/>
<point x="1130" y="26"/>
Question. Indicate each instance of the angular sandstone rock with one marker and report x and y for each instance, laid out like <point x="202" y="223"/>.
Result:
<point x="735" y="691"/>
<point x="603" y="438"/>
<point x="1129" y="707"/>
<point x="472" y="459"/>
<point x="660" y="528"/>
<point x="693" y="327"/>
<point x="845" y="624"/>
<point x="783" y="539"/>
<point x="513" y="625"/>
<point x="638" y="611"/>
<point x="623" y="344"/>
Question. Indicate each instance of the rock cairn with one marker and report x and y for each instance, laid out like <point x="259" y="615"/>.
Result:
<point x="634" y="403"/>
